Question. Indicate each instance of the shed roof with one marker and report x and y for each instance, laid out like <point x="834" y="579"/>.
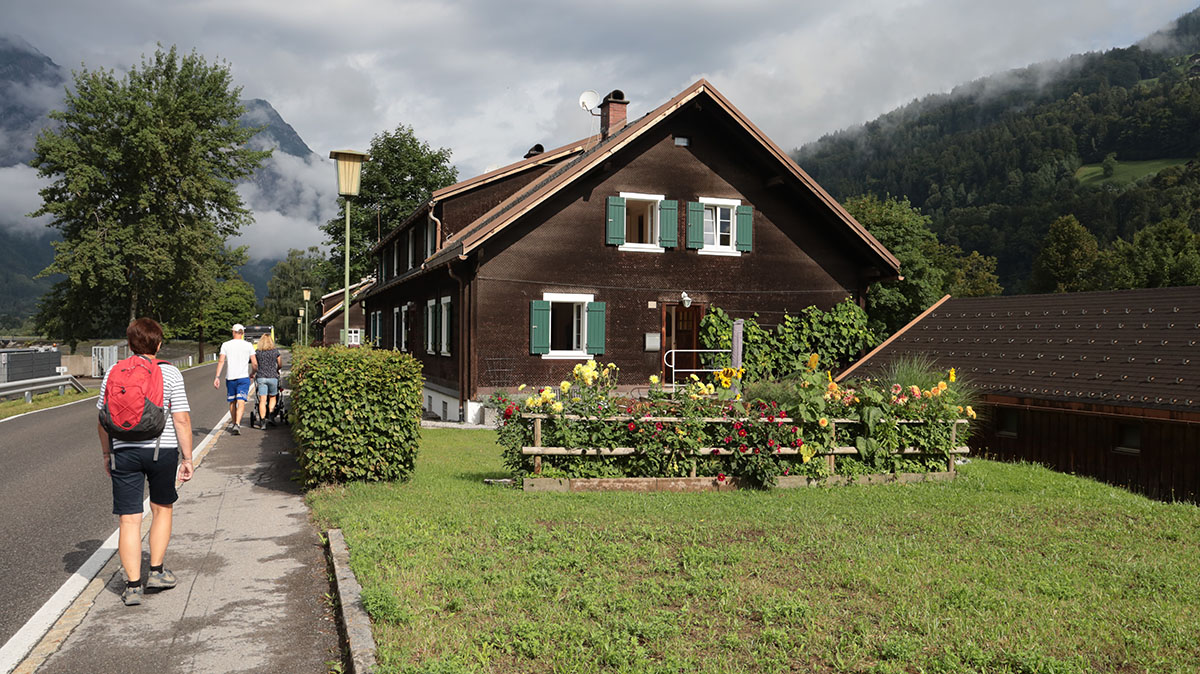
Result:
<point x="1135" y="348"/>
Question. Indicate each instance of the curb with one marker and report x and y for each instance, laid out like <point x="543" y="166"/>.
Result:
<point x="352" y="615"/>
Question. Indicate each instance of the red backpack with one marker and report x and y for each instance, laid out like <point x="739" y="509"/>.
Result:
<point x="133" y="400"/>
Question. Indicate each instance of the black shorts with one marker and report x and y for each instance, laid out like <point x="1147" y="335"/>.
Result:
<point x="135" y="465"/>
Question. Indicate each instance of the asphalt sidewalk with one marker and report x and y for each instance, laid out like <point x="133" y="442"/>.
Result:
<point x="253" y="580"/>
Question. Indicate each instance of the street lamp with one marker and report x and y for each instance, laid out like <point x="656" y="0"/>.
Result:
<point x="349" y="170"/>
<point x="303" y="326"/>
<point x="307" y="295"/>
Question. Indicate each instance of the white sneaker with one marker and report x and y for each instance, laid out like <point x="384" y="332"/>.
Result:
<point x="236" y="429"/>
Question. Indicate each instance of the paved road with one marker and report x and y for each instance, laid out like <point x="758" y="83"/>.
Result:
<point x="55" y="499"/>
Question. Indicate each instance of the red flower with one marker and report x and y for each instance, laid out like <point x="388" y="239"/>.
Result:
<point x="658" y="426"/>
<point x="742" y="449"/>
<point x="771" y="418"/>
<point x="741" y="433"/>
<point x="795" y="429"/>
<point x="771" y="443"/>
<point x="632" y="426"/>
<point x="756" y="450"/>
<point x="720" y="477"/>
<point x="728" y="439"/>
<point x="716" y="451"/>
<point x="785" y="471"/>
<point x="737" y="425"/>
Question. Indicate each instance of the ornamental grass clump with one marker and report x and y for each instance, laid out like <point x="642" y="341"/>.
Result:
<point x="356" y="414"/>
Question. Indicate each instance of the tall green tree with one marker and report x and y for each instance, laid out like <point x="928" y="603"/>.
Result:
<point x="141" y="173"/>
<point x="284" y="290"/>
<point x="902" y="229"/>
<point x="1162" y="255"/>
<point x="402" y="173"/>
<point x="1067" y="261"/>
<point x="230" y="301"/>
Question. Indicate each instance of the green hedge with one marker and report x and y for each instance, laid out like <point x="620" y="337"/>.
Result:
<point x="355" y="414"/>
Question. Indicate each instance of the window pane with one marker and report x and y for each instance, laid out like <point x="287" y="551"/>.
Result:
<point x="725" y="223"/>
<point x="639" y="221"/>
<point x="563" y="329"/>
<point x="710" y="226"/>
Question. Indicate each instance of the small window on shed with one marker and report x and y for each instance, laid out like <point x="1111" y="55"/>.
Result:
<point x="682" y="141"/>
<point x="1006" y="422"/>
<point x="1129" y="439"/>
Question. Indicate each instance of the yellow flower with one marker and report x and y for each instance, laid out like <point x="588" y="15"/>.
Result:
<point x="547" y="394"/>
<point x="737" y="397"/>
<point x="711" y="390"/>
<point x="694" y="377"/>
<point x="557" y="407"/>
<point x="565" y="386"/>
<point x="960" y="409"/>
<point x="532" y="402"/>
<point x="829" y="373"/>
<point x="654" y="379"/>
<point x="833" y="387"/>
<point x="680" y="431"/>
<point x="813" y="360"/>
<point x="942" y="386"/>
<point x="970" y="412"/>
<point x="823" y="422"/>
<point x="576" y="399"/>
<point x="521" y="387"/>
<point x="952" y="375"/>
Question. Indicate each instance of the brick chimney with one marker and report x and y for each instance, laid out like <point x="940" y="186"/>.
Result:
<point x="612" y="113"/>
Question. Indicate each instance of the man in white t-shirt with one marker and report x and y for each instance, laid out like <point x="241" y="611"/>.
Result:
<point x="240" y="355"/>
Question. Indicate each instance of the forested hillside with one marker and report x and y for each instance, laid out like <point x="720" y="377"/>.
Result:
<point x="996" y="161"/>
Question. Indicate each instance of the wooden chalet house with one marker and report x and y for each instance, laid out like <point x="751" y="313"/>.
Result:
<point x="1104" y="384"/>
<point x="612" y="247"/>
<point x="331" y="320"/>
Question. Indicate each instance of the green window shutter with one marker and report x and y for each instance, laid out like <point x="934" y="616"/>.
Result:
<point x="539" y="327"/>
<point x="668" y="223"/>
<point x="595" y="328"/>
<point x="745" y="228"/>
<point x="614" y="227"/>
<point x="450" y="326"/>
<point x="695" y="224"/>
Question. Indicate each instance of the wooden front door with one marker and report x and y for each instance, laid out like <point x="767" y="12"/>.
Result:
<point x="681" y="330"/>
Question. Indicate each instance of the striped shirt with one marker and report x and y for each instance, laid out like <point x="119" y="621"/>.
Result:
<point x="173" y="393"/>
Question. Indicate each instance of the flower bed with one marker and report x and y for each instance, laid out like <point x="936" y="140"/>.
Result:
<point x="581" y="430"/>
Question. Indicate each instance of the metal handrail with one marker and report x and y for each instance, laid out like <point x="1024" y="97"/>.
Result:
<point x="669" y="361"/>
<point x="30" y="386"/>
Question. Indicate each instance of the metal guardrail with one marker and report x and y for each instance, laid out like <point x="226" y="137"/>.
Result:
<point x="39" y="385"/>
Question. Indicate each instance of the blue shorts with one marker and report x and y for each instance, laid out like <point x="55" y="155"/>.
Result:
<point x="268" y="386"/>
<point x="237" y="389"/>
<point x="134" y="466"/>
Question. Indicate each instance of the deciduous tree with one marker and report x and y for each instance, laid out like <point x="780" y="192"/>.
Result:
<point x="1067" y="260"/>
<point x="141" y="173"/>
<point x="403" y="172"/>
<point x="284" y="290"/>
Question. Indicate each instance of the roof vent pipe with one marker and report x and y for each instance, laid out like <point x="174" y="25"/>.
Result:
<point x="612" y="113"/>
<point x="534" y="151"/>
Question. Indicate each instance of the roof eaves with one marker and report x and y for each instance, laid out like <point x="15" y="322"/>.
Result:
<point x="408" y="219"/>
<point x="887" y="342"/>
<point x="547" y="157"/>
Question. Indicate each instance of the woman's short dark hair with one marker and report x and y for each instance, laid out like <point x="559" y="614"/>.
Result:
<point x="144" y="334"/>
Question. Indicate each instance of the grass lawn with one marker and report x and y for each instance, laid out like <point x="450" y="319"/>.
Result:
<point x="1125" y="172"/>
<point x="1010" y="568"/>
<point x="41" y="401"/>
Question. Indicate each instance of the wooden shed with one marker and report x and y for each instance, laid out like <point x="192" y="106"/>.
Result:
<point x="1103" y="384"/>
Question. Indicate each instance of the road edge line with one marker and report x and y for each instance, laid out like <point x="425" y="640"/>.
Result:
<point x="45" y="631"/>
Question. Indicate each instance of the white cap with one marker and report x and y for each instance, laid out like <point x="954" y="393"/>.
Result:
<point x="238" y="327"/>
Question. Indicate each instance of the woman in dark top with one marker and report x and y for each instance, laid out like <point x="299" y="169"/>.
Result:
<point x="267" y="378"/>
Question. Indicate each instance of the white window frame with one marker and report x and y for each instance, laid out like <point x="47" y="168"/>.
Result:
<point x="581" y="301"/>
<point x="412" y="248"/>
<point x="430" y="312"/>
<point x="445" y="318"/>
<point x="654" y="225"/>
<point x="403" y="328"/>
<point x="354" y="337"/>
<point x="430" y="239"/>
<point x="396" y="258"/>
<point x="716" y="249"/>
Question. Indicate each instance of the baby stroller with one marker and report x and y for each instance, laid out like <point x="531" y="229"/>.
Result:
<point x="279" y="416"/>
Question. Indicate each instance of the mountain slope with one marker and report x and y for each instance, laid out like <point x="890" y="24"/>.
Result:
<point x="994" y="162"/>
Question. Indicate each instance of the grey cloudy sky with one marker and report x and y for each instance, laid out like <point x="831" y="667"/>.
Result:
<point x="489" y="79"/>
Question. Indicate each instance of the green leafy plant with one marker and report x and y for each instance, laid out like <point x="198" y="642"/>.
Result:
<point x="356" y="414"/>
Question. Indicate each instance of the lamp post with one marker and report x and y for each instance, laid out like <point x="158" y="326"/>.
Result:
<point x="302" y="327"/>
<point x="349" y="170"/>
<point x="307" y="295"/>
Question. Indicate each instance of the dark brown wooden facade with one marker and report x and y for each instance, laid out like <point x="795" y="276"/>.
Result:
<point x="1102" y="384"/>
<point x="537" y="230"/>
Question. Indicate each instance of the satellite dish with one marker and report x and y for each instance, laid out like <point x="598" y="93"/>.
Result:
<point x="589" y="100"/>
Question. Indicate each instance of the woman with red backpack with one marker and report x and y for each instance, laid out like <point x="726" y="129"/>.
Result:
<point x="145" y="433"/>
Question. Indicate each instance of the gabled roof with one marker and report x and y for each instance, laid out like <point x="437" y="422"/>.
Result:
<point x="1133" y="348"/>
<point x="510" y="210"/>
<point x="357" y="292"/>
<point x="540" y="159"/>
